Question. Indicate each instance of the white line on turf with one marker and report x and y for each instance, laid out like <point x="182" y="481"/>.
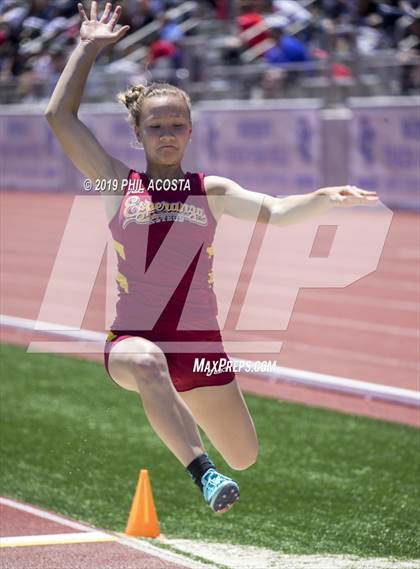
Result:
<point x="173" y="557"/>
<point x="227" y="555"/>
<point x="313" y="380"/>
<point x="250" y="557"/>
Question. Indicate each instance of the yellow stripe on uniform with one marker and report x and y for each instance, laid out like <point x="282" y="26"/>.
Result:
<point x="56" y="539"/>
<point x="119" y="247"/>
<point x="111" y="336"/>
<point x="122" y="281"/>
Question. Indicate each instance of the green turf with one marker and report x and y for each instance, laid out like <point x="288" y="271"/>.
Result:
<point x="324" y="482"/>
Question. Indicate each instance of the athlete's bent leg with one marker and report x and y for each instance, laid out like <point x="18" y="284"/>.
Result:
<point x="139" y="365"/>
<point x="222" y="413"/>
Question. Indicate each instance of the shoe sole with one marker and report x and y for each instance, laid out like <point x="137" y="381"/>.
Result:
<point x="225" y="499"/>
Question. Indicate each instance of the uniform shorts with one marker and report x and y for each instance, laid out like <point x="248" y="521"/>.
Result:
<point x="187" y="370"/>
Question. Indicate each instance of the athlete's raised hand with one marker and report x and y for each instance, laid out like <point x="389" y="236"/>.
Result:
<point x="348" y="196"/>
<point x="101" y="32"/>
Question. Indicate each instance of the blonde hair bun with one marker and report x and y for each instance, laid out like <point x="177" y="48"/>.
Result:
<point x="130" y="97"/>
<point x="135" y="95"/>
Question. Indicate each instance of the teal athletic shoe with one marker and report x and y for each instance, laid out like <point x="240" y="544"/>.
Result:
<point x="220" y="492"/>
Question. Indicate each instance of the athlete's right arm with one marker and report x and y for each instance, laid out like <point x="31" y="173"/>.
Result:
<point x="77" y="140"/>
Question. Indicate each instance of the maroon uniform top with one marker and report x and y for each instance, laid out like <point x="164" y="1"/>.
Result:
<point x="163" y="238"/>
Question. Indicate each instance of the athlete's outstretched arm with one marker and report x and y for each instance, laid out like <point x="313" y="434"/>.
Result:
<point x="77" y="140"/>
<point x="238" y="202"/>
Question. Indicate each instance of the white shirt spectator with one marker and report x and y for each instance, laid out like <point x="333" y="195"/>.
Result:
<point x="292" y="10"/>
<point x="15" y="16"/>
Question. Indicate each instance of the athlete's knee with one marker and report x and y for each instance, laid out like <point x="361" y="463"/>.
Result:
<point x="138" y="363"/>
<point x="242" y="463"/>
<point x="245" y="459"/>
<point x="149" y="368"/>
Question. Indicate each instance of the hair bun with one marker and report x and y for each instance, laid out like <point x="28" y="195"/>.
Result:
<point x="135" y="95"/>
<point x="131" y="96"/>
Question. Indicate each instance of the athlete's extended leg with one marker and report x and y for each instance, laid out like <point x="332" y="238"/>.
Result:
<point x="222" y="413"/>
<point x="139" y="365"/>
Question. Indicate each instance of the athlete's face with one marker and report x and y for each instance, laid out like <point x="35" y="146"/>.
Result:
<point x="164" y="129"/>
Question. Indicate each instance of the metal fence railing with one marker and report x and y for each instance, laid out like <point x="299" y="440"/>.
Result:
<point x="374" y="77"/>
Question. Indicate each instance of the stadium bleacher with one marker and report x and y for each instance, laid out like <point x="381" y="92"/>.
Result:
<point x="217" y="49"/>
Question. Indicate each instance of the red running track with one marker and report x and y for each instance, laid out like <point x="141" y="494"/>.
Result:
<point x="31" y="523"/>
<point x="367" y="331"/>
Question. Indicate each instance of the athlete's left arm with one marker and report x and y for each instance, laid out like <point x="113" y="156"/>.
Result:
<point x="230" y="198"/>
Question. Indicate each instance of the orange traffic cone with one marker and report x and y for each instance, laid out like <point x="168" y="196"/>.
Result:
<point x="143" y="521"/>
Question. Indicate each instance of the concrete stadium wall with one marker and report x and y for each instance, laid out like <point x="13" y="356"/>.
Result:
<point x="276" y="147"/>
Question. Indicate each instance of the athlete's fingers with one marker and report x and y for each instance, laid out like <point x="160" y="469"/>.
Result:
<point x="357" y="200"/>
<point x="350" y="189"/>
<point x="115" y="17"/>
<point x="369" y="195"/>
<point x="347" y="191"/>
<point x="107" y="12"/>
<point x="82" y="13"/>
<point x="94" y="10"/>
<point x="362" y="192"/>
<point x="121" y="32"/>
<point x="363" y="195"/>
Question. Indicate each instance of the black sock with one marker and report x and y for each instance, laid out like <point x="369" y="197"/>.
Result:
<point x="198" y="467"/>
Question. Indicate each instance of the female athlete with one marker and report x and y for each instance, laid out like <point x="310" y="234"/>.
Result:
<point x="176" y="398"/>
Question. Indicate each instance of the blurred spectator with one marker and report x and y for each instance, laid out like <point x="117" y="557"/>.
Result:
<point x="39" y="81"/>
<point x="251" y="15"/>
<point x="163" y="54"/>
<point x="370" y="37"/>
<point x="13" y="15"/>
<point x="170" y="30"/>
<point x="231" y="52"/>
<point x="273" y="84"/>
<point x="287" y="49"/>
<point x="221" y="7"/>
<point x="337" y="10"/>
<point x="165" y="49"/>
<point x="36" y="37"/>
<point x="43" y="9"/>
<point x="49" y="65"/>
<point x="138" y="13"/>
<point x="291" y="10"/>
<point x="409" y="56"/>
